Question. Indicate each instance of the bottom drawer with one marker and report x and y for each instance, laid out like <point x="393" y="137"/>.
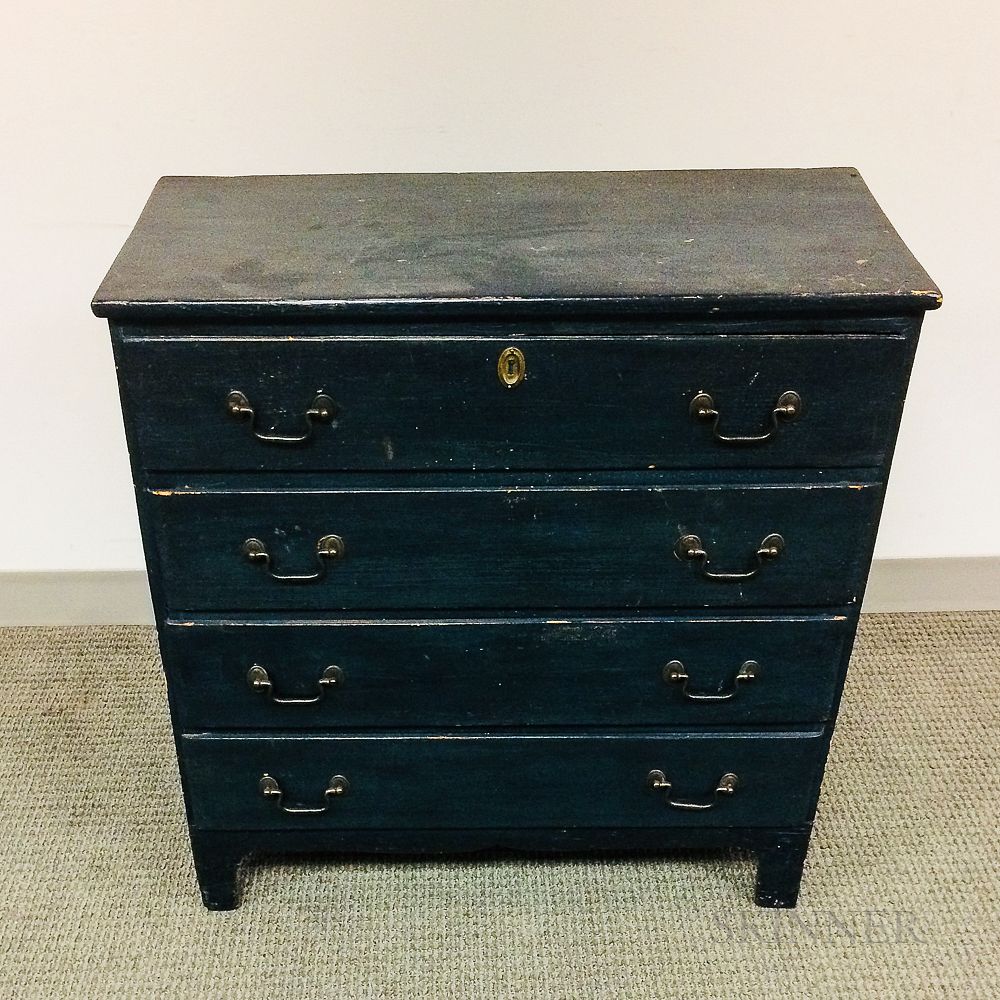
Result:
<point x="495" y="781"/>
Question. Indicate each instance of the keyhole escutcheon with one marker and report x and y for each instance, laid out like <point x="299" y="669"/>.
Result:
<point x="511" y="367"/>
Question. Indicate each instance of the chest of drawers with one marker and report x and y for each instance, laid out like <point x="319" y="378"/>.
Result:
<point x="509" y="510"/>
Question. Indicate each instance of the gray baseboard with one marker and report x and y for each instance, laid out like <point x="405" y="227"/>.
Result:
<point x="934" y="585"/>
<point x="122" y="597"/>
<point x="111" y="597"/>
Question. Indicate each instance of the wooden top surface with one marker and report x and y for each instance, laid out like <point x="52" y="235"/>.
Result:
<point x="692" y="242"/>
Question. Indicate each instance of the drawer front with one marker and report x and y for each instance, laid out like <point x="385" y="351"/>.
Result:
<point x="504" y="544"/>
<point x="620" y="402"/>
<point x="702" y="670"/>
<point x="490" y="781"/>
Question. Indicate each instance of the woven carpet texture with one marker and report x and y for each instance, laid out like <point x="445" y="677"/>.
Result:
<point x="900" y="896"/>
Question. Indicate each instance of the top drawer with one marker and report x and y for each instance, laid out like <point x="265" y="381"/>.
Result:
<point x="241" y="403"/>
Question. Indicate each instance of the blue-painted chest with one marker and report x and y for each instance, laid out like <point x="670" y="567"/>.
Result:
<point x="527" y="510"/>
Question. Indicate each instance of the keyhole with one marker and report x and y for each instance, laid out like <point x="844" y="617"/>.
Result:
<point x="510" y="367"/>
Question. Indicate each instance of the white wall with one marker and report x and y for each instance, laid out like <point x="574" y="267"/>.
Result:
<point x="99" y="99"/>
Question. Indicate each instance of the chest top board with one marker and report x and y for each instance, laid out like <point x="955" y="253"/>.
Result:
<point x="495" y="245"/>
<point x="520" y="510"/>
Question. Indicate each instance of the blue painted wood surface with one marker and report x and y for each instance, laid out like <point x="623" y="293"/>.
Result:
<point x="405" y="399"/>
<point x="511" y="671"/>
<point x="537" y="779"/>
<point x="513" y="542"/>
<point x="509" y="594"/>
<point x="676" y="242"/>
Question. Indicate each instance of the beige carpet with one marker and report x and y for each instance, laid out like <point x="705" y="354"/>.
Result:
<point x="900" y="898"/>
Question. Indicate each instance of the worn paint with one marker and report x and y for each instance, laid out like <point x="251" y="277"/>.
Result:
<point x="423" y="471"/>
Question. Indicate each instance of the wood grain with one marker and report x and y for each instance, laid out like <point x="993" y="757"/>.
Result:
<point x="507" y="671"/>
<point x="511" y="542"/>
<point x="374" y="245"/>
<point x="527" y="780"/>
<point x="434" y="401"/>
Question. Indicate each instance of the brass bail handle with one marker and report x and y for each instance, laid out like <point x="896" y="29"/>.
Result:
<point x="690" y="549"/>
<point x="320" y="411"/>
<point x="787" y="408"/>
<point x="328" y="548"/>
<point x="676" y="673"/>
<point x="259" y="680"/>
<point x="337" y="786"/>
<point x="725" y="786"/>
